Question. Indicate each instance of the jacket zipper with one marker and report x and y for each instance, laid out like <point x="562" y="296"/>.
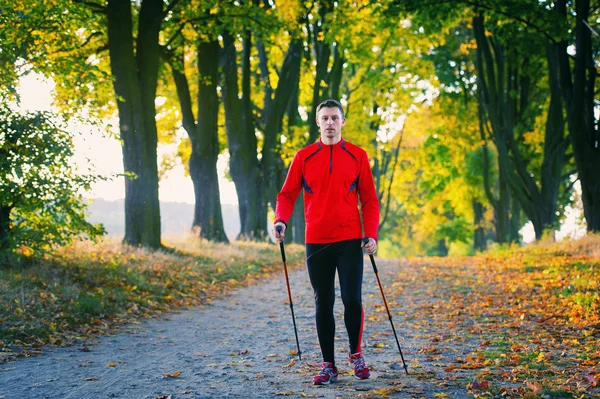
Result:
<point x="330" y="158"/>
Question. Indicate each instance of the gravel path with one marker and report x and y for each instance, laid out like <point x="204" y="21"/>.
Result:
<point x="239" y="346"/>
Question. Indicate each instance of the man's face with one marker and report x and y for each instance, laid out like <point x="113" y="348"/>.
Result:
<point x="330" y="122"/>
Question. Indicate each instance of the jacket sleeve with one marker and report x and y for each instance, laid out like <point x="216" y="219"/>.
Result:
<point x="289" y="192"/>
<point x="369" y="203"/>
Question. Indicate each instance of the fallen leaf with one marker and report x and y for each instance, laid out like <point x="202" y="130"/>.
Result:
<point x="478" y="385"/>
<point x="591" y="380"/>
<point x="112" y="364"/>
<point x="533" y="386"/>
<point x="91" y="379"/>
<point x="164" y="397"/>
<point x="173" y="375"/>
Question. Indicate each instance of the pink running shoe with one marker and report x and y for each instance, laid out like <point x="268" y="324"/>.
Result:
<point x="361" y="371"/>
<point x="328" y="374"/>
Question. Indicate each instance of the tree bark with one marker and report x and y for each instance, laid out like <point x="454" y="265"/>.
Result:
<point x="577" y="87"/>
<point x="4" y="227"/>
<point x="335" y="75"/>
<point x="297" y="227"/>
<point x="274" y="111"/>
<point x="505" y="108"/>
<point x="205" y="147"/>
<point x="489" y="85"/>
<point x="322" y="52"/>
<point x="204" y="138"/>
<point x="479" y="242"/>
<point x="243" y="164"/>
<point x="515" y="220"/>
<point x="555" y="146"/>
<point x="135" y="71"/>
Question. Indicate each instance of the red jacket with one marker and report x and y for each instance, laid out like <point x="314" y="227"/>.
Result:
<point x="333" y="177"/>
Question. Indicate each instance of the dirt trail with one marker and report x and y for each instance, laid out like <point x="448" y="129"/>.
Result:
<point x="237" y="347"/>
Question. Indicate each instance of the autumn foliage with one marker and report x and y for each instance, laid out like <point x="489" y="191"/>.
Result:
<point x="87" y="289"/>
<point x="516" y="323"/>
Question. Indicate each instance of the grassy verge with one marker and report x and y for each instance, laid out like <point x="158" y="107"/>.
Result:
<point x="89" y="289"/>
<point x="519" y="323"/>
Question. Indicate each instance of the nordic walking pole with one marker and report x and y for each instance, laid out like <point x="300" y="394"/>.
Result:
<point x="287" y="282"/>
<point x="366" y="241"/>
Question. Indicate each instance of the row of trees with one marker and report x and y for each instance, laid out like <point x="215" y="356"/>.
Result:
<point x="497" y="99"/>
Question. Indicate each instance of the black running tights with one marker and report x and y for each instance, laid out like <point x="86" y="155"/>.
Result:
<point x="323" y="260"/>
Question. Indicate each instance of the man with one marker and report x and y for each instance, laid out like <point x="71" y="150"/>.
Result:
<point x="333" y="174"/>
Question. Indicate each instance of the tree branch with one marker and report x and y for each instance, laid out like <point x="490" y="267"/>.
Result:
<point x="437" y="3"/>
<point x="570" y="186"/>
<point x="569" y="174"/>
<point x="97" y="8"/>
<point x="389" y="190"/>
<point x="170" y="7"/>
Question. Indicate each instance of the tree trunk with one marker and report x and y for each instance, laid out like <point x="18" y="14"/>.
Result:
<point x="204" y="138"/>
<point x="4" y="227"/>
<point x="505" y="99"/>
<point x="441" y="248"/>
<point x="577" y="86"/>
<point x="243" y="164"/>
<point x="274" y="111"/>
<point x="322" y="53"/>
<point x="135" y="71"/>
<point x="479" y="243"/>
<point x="335" y="75"/>
<point x="205" y="147"/>
<point x="555" y="146"/>
<point x="489" y="85"/>
<point x="297" y="227"/>
<point x="515" y="220"/>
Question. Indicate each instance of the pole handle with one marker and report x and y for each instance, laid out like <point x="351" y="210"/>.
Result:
<point x="366" y="241"/>
<point x="279" y="229"/>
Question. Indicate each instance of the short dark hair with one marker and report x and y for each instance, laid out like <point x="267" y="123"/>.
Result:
<point x="331" y="103"/>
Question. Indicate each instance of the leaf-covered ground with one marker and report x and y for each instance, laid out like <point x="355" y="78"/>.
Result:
<point x="522" y="323"/>
<point x="519" y="323"/>
<point x="85" y="289"/>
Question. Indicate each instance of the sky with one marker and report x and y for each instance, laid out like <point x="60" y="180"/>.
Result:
<point x="104" y="153"/>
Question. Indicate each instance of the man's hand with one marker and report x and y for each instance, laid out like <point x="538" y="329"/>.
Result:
<point x="279" y="236"/>
<point x="370" y="247"/>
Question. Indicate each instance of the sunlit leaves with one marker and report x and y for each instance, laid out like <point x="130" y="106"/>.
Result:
<point x="39" y="187"/>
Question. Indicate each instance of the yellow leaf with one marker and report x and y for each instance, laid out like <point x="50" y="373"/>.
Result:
<point x="112" y="364"/>
<point x="173" y="375"/>
<point x="440" y="395"/>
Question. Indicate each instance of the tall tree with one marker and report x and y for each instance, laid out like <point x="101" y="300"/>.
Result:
<point x="203" y="134"/>
<point x="243" y="147"/>
<point x="134" y="62"/>
<point x="578" y="87"/>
